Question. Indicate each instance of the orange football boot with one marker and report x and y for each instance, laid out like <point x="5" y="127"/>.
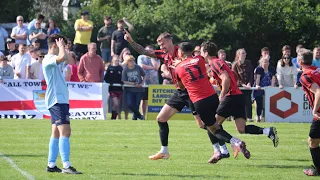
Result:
<point x="159" y="155"/>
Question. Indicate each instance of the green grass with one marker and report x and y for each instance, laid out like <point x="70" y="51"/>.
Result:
<point x="119" y="150"/>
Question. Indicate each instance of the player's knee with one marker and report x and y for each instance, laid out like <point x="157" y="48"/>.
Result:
<point x="161" y="119"/>
<point x="241" y="130"/>
<point x="313" y="143"/>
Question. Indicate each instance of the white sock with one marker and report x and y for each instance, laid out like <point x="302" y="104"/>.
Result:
<point x="51" y="164"/>
<point x="266" y="131"/>
<point x="164" y="149"/>
<point x="66" y="164"/>
<point x="235" y="141"/>
<point x="216" y="147"/>
<point x="224" y="149"/>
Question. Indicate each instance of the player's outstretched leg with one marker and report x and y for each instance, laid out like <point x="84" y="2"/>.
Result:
<point x="165" y="114"/>
<point x="271" y="132"/>
<point x="53" y="150"/>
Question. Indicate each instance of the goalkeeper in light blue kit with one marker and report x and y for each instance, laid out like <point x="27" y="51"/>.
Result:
<point x="57" y="101"/>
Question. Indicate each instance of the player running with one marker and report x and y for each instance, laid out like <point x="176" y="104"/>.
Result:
<point x="231" y="98"/>
<point x="191" y="72"/>
<point x="180" y="98"/>
<point x="57" y="101"/>
<point x="310" y="81"/>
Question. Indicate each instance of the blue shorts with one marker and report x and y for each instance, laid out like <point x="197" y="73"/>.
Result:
<point x="106" y="55"/>
<point x="59" y="114"/>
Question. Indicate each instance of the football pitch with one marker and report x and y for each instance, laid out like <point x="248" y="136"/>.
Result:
<point x="120" y="149"/>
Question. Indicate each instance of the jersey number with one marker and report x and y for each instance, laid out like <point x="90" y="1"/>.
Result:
<point x="193" y="78"/>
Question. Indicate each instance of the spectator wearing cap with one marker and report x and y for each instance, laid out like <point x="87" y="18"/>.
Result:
<point x="36" y="71"/>
<point x="83" y="28"/>
<point x="91" y="67"/>
<point x="21" y="63"/>
<point x="151" y="67"/>
<point x="6" y="71"/>
<point x="118" y="43"/>
<point x="3" y="37"/>
<point x="12" y="49"/>
<point x="39" y="34"/>
<point x="20" y="32"/>
<point x="104" y="37"/>
<point x="52" y="27"/>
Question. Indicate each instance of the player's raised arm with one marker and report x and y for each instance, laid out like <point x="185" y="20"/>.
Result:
<point x="137" y="47"/>
<point x="62" y="56"/>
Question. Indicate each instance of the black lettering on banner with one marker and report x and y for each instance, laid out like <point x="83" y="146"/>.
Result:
<point x="85" y="86"/>
<point x="10" y="116"/>
<point x="193" y="78"/>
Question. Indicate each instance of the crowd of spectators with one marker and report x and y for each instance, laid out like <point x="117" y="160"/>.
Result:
<point x="26" y="47"/>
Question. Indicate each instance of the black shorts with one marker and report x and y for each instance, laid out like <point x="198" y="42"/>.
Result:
<point x="180" y="99"/>
<point x="59" y="114"/>
<point x="206" y="108"/>
<point x="233" y="105"/>
<point x="315" y="130"/>
<point x="145" y="94"/>
<point x="80" y="49"/>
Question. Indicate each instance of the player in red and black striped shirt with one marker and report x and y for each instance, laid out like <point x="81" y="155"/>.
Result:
<point x="231" y="98"/>
<point x="168" y="53"/>
<point x="191" y="72"/>
<point x="310" y="81"/>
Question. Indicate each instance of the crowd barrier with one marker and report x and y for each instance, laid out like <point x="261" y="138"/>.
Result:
<point x="24" y="99"/>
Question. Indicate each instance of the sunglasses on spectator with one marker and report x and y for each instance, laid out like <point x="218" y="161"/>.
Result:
<point x="20" y="20"/>
<point x="41" y="56"/>
<point x="286" y="58"/>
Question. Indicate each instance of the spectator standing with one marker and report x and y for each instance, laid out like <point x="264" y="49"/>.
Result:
<point x="244" y="70"/>
<point x="52" y="28"/>
<point x="69" y="45"/>
<point x="6" y="71"/>
<point x="118" y="43"/>
<point x="20" y="32"/>
<point x="113" y="76"/>
<point x="316" y="57"/>
<point x="31" y="25"/>
<point x="151" y="67"/>
<point x="124" y="107"/>
<point x="83" y="28"/>
<point x="3" y="37"/>
<point x="104" y="37"/>
<point x="34" y="55"/>
<point x="265" y="76"/>
<point x="39" y="34"/>
<point x="91" y="67"/>
<point x="286" y="73"/>
<point x="36" y="71"/>
<point x="133" y="75"/>
<point x="167" y="79"/>
<point x="296" y="64"/>
<point x="74" y="68"/>
<point x="21" y="63"/>
<point x="36" y="45"/>
<point x="223" y="56"/>
<point x="12" y="49"/>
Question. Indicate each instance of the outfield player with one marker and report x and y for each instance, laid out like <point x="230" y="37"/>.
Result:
<point x="180" y="98"/>
<point x="231" y="98"/>
<point x="310" y="81"/>
<point x="57" y="101"/>
<point x="191" y="72"/>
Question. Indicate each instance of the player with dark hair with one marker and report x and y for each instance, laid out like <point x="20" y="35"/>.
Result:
<point x="310" y="81"/>
<point x="168" y="53"/>
<point x="57" y="101"/>
<point x="231" y="98"/>
<point x="191" y="75"/>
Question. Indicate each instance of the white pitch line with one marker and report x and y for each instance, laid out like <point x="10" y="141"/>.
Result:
<point x="10" y="161"/>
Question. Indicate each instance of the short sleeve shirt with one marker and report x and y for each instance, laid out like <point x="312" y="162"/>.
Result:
<point x="83" y="37"/>
<point x="57" y="90"/>
<point x="133" y="75"/>
<point x="20" y="30"/>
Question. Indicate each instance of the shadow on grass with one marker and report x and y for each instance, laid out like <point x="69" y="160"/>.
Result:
<point x="22" y="155"/>
<point x="169" y="175"/>
<point x="300" y="160"/>
<point x="280" y="166"/>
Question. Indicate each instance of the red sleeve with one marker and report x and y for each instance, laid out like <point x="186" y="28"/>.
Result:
<point x="219" y="67"/>
<point x="159" y="54"/>
<point x="306" y="80"/>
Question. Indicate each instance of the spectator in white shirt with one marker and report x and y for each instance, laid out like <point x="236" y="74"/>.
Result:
<point x="34" y="54"/>
<point x="20" y="32"/>
<point x="36" y="71"/>
<point x="151" y="67"/>
<point x="286" y="73"/>
<point x="3" y="37"/>
<point x="21" y="63"/>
